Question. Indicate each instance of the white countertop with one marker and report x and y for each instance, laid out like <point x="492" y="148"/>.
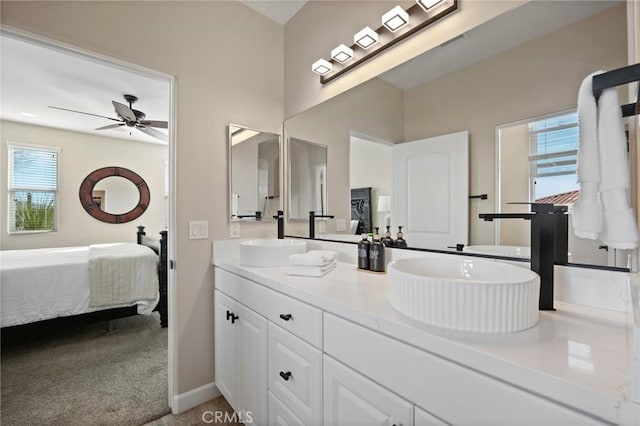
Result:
<point x="584" y="357"/>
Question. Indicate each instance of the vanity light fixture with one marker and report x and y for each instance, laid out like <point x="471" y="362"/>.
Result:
<point x="395" y="19"/>
<point x="342" y="53"/>
<point x="369" y="42"/>
<point x="365" y="38"/>
<point x="321" y="67"/>
<point x="427" y="4"/>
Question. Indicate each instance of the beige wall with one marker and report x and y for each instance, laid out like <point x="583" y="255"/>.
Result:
<point x="538" y="77"/>
<point x="371" y="165"/>
<point x="80" y="154"/>
<point x="321" y="25"/>
<point x="374" y="109"/>
<point x="513" y="164"/>
<point x="228" y="63"/>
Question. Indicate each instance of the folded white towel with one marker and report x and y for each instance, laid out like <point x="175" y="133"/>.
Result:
<point x="313" y="258"/>
<point x="587" y="211"/>
<point x="312" y="271"/>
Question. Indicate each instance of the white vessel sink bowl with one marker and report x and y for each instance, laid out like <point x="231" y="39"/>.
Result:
<point x="465" y="294"/>
<point x="269" y="253"/>
<point x="507" y="251"/>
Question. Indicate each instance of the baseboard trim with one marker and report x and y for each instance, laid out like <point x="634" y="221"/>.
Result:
<point x="185" y="401"/>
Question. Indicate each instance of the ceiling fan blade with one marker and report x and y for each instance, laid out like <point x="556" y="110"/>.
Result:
<point x="110" y="126"/>
<point x="86" y="113"/>
<point x="155" y="123"/>
<point x="124" y="111"/>
<point x="153" y="132"/>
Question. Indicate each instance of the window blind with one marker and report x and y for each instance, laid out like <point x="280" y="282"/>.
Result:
<point x="32" y="188"/>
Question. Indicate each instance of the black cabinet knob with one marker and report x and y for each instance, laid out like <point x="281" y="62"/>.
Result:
<point x="229" y="314"/>
<point x="286" y="376"/>
<point x="285" y="317"/>
<point x="234" y="318"/>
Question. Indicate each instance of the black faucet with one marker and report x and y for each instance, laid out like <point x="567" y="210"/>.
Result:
<point x="312" y="222"/>
<point x="257" y="215"/>
<point x="280" y="218"/>
<point x="549" y="243"/>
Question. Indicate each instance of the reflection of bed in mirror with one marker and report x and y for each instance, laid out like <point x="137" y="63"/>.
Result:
<point x="112" y="280"/>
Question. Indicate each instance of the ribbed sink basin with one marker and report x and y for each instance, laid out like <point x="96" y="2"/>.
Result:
<point x="269" y="253"/>
<point x="465" y="294"/>
<point x="507" y="251"/>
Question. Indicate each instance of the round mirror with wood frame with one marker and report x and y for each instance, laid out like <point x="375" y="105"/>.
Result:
<point x="92" y="207"/>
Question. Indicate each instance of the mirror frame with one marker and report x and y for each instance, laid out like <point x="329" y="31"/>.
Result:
<point x="230" y="174"/>
<point x="91" y="207"/>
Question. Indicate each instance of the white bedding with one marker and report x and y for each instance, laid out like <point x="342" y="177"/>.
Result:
<point x="41" y="284"/>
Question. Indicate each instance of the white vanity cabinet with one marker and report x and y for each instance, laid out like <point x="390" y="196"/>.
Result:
<point x="352" y="399"/>
<point x="241" y="357"/>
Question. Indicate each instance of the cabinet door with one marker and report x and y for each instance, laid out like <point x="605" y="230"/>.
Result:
<point x="279" y="415"/>
<point x="251" y="362"/>
<point x="352" y="399"/>
<point x="295" y="374"/>
<point x="425" y="419"/>
<point x="225" y="347"/>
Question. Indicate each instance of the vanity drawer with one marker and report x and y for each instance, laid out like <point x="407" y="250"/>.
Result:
<point x="280" y="415"/>
<point x="439" y="386"/>
<point x="252" y="295"/>
<point x="295" y="370"/>
<point x="301" y="319"/>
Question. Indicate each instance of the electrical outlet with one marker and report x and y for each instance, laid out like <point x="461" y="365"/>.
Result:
<point x="341" y="225"/>
<point x="322" y="227"/>
<point x="234" y="230"/>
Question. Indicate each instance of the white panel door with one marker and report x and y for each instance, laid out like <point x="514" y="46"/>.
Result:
<point x="280" y="415"/>
<point x="430" y="196"/>
<point x="352" y="399"/>
<point x="251" y="359"/>
<point x="225" y="348"/>
<point x="295" y="374"/>
<point x="425" y="419"/>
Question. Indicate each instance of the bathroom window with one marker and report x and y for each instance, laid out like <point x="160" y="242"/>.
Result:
<point x="553" y="154"/>
<point x="32" y="188"/>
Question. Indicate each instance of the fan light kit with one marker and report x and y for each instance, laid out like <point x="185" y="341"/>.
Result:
<point x="396" y="25"/>
<point x="127" y="116"/>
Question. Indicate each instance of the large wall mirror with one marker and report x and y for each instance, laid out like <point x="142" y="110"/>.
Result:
<point x="254" y="174"/>
<point x="515" y="70"/>
<point x="307" y="178"/>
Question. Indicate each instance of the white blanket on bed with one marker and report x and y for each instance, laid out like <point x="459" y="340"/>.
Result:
<point x="122" y="274"/>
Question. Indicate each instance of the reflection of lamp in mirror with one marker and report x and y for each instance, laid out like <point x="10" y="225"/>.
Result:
<point x="384" y="207"/>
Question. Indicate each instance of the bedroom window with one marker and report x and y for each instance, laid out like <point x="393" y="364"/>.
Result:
<point x="33" y="188"/>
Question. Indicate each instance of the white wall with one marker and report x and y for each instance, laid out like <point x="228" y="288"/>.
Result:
<point x="371" y="164"/>
<point x="80" y="154"/>
<point x="228" y="63"/>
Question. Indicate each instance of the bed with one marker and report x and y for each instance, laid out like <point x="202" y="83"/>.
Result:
<point x="104" y="280"/>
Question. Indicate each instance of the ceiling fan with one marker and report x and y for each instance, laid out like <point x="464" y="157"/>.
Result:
<point x="127" y="116"/>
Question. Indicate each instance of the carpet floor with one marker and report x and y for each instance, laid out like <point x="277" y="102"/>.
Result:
<point x="82" y="374"/>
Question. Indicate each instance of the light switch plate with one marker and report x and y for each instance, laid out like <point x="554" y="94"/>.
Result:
<point x="322" y="227"/>
<point x="198" y="229"/>
<point x="341" y="225"/>
<point x="234" y="230"/>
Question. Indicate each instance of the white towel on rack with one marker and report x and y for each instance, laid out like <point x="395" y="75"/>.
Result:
<point x="603" y="211"/>
<point x="619" y="226"/>
<point x="587" y="211"/>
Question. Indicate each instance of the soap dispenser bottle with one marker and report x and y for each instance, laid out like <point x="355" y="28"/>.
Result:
<point x="387" y="240"/>
<point x="400" y="241"/>
<point x="376" y="255"/>
<point x="363" y="252"/>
